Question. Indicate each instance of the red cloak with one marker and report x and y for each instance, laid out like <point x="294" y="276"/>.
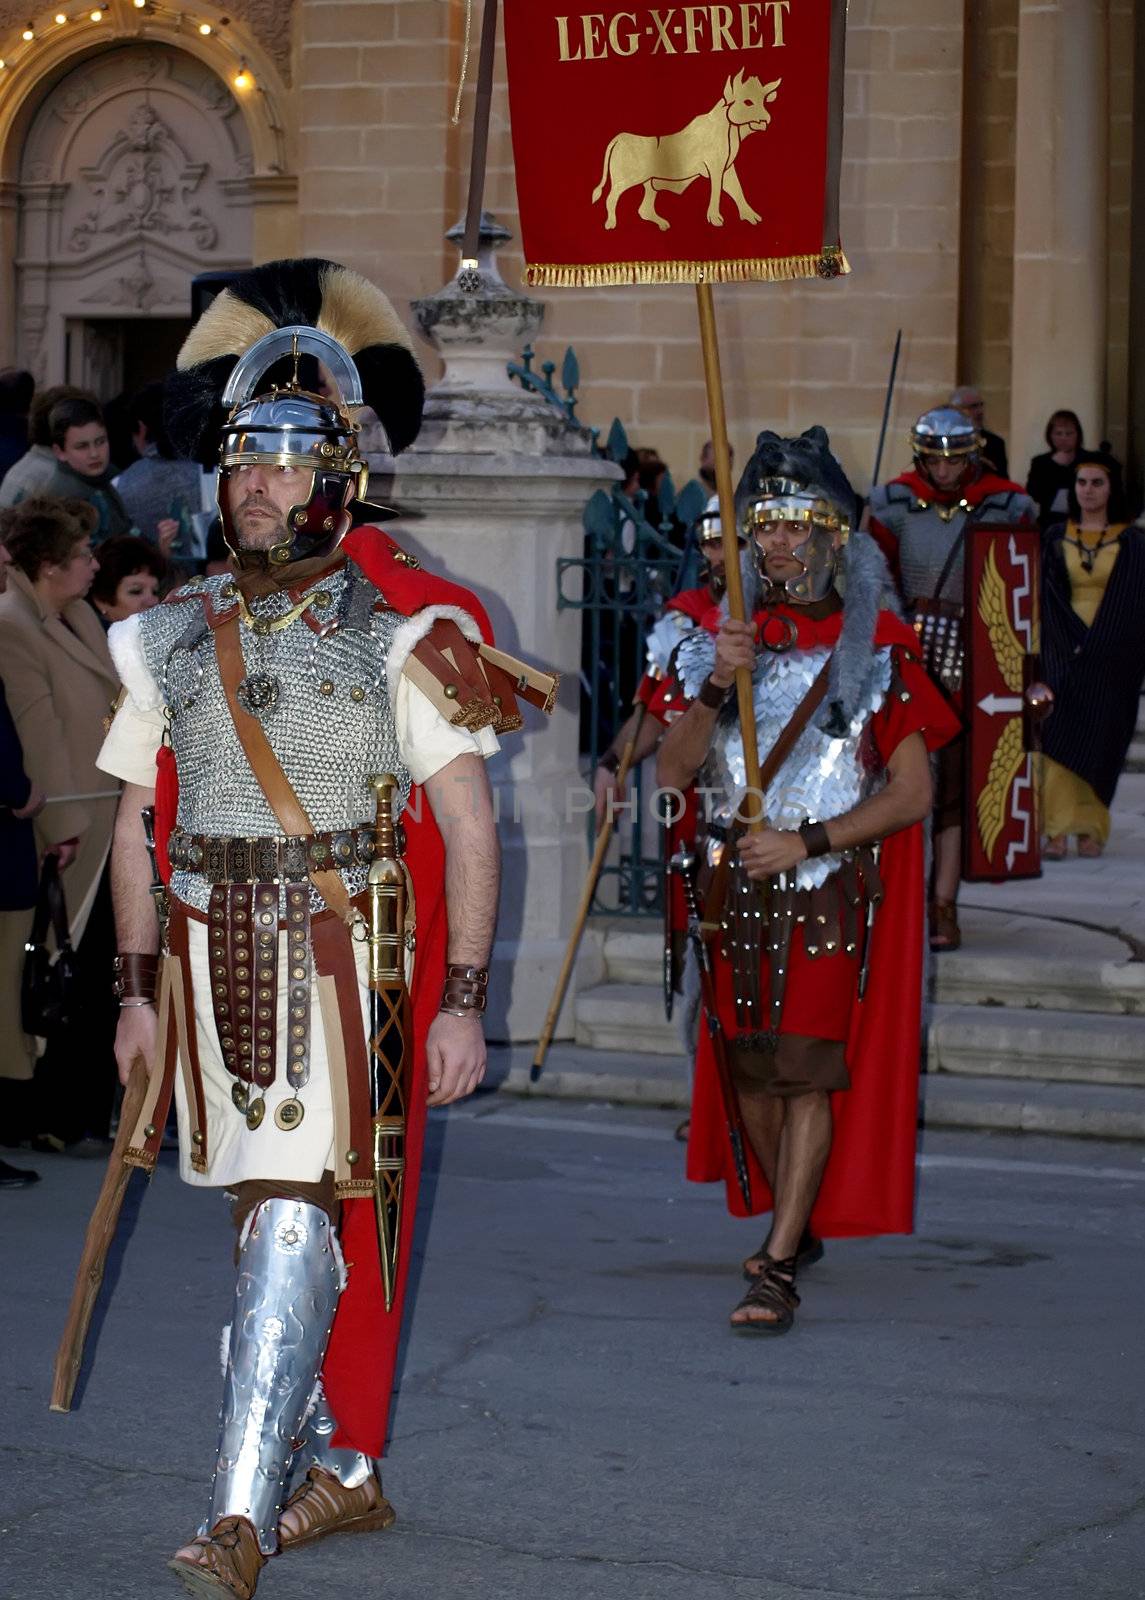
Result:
<point x="868" y="1186"/>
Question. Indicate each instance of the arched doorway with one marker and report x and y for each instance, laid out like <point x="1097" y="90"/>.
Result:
<point x="134" y="176"/>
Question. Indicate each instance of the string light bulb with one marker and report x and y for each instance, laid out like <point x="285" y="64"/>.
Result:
<point x="243" y="79"/>
<point x="139" y="4"/>
<point x="29" y="33"/>
<point x="61" y="18"/>
<point x="204" y="28"/>
<point x="97" y="16"/>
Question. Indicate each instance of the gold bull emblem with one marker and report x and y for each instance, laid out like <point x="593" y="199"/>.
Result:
<point x="706" y="148"/>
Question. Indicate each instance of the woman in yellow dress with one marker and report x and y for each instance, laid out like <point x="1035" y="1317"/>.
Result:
<point x="1093" y="644"/>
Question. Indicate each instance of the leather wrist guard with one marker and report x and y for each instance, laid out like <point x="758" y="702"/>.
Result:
<point x="465" y="991"/>
<point x="814" y="836"/>
<point x="712" y="695"/>
<point x="610" y="761"/>
<point x="135" y="975"/>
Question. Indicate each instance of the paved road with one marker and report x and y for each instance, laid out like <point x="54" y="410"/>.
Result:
<point x="957" y="1415"/>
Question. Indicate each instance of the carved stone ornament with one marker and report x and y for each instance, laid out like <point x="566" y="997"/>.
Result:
<point x="144" y="183"/>
<point x="137" y="288"/>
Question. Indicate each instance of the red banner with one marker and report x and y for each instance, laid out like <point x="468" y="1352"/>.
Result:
<point x="677" y="143"/>
<point x="1002" y="835"/>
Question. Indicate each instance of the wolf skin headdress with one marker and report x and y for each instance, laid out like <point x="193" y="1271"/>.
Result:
<point x="246" y="391"/>
<point x="800" y="479"/>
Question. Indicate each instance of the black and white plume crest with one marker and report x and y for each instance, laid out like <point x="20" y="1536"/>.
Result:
<point x="809" y="460"/>
<point x="282" y="294"/>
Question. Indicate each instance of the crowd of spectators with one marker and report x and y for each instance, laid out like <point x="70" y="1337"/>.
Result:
<point x="83" y="544"/>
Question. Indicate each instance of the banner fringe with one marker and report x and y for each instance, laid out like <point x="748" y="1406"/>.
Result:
<point x="762" y="269"/>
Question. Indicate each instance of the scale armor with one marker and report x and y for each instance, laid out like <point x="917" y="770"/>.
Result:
<point x="823" y="777"/>
<point x="663" y="638"/>
<point x="334" y="685"/>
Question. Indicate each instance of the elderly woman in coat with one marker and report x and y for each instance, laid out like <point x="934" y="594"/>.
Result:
<point x="60" y="686"/>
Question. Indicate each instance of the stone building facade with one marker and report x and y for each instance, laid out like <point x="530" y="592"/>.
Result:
<point x="987" y="186"/>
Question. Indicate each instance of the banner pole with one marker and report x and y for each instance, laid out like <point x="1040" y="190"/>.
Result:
<point x="709" y="341"/>
<point x="480" y="147"/>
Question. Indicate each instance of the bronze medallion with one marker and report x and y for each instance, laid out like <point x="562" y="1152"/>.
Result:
<point x="255" y="1113"/>
<point x="289" y="1114"/>
<point x="240" y="1094"/>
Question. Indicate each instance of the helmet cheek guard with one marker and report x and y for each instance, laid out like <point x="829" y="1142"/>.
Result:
<point x="819" y="557"/>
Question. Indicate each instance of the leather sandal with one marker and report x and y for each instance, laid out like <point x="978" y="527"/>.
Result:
<point x="1089" y="848"/>
<point x="1055" y="849"/>
<point x="809" y="1252"/>
<point x="774" y="1291"/>
<point x="322" y="1505"/>
<point x="945" y="934"/>
<point x="227" y="1561"/>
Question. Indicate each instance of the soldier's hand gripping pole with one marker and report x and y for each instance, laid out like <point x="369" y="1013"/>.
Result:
<point x="389" y="1012"/>
<point x="753" y="801"/>
<point x="595" y="868"/>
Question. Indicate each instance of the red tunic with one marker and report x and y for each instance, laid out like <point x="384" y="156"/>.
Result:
<point x="868" y="1186"/>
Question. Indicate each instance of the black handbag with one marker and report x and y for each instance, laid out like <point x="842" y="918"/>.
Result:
<point x="48" y="982"/>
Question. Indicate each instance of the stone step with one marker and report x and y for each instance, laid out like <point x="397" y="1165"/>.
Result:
<point x="994" y="1041"/>
<point x="627" y="1017"/>
<point x="1011" y="961"/>
<point x="1003" y="1104"/>
<point x="966" y="1040"/>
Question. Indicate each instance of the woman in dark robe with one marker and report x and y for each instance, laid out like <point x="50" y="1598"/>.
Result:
<point x="1093" y="651"/>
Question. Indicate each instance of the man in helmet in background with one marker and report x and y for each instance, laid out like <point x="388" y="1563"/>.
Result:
<point x="655" y="692"/>
<point x="811" y="964"/>
<point x="920" y="520"/>
<point x="260" y="706"/>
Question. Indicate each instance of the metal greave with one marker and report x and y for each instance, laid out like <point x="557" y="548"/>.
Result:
<point x="289" y="1279"/>
<point x="350" y="1467"/>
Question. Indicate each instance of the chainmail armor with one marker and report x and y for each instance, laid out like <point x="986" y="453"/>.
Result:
<point x="332" y="727"/>
<point x="925" y="540"/>
<point x="823" y="777"/>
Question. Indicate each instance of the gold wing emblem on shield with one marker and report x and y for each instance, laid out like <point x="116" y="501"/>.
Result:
<point x="995" y="613"/>
<point x="993" y="801"/>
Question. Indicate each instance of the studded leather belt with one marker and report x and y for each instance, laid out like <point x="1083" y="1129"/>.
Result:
<point x="242" y="859"/>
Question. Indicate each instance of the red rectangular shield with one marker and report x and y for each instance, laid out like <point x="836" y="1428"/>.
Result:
<point x="677" y="143"/>
<point x="1001" y="838"/>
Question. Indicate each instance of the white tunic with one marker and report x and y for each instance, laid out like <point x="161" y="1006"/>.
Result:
<point x="235" y="1152"/>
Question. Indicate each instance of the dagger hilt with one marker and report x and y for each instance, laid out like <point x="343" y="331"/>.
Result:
<point x="386" y="890"/>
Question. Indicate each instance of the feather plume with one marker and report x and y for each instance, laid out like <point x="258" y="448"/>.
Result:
<point x="281" y="294"/>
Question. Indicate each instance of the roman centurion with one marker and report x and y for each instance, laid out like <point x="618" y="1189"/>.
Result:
<point x="806" y="937"/>
<point x="921" y="520"/>
<point x="324" y="971"/>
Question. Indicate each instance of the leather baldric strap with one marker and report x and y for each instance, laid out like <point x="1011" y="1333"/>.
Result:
<point x="265" y="765"/>
<point x="768" y="772"/>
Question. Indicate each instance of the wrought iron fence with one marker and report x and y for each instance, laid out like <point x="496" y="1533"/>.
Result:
<point x="638" y="552"/>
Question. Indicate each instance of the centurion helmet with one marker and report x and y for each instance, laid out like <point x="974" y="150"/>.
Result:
<point x="273" y="373"/>
<point x="799" y="480"/>
<point x="945" y="432"/>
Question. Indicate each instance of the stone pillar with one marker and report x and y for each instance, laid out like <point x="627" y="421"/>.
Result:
<point x="1060" y="211"/>
<point x="500" y="481"/>
<point x="9" y="241"/>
